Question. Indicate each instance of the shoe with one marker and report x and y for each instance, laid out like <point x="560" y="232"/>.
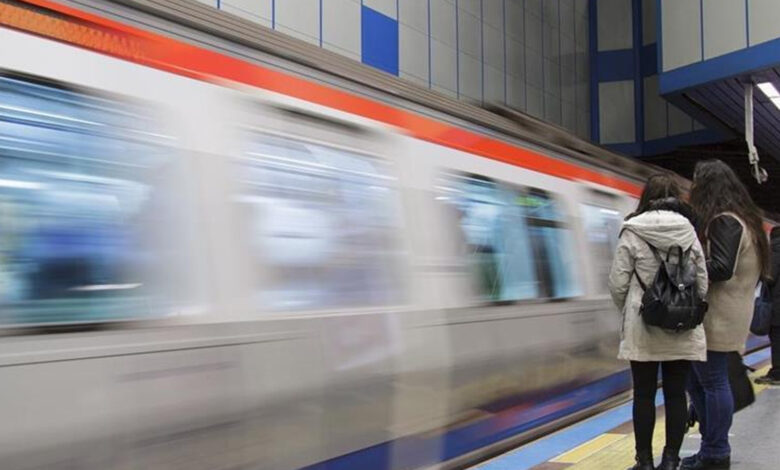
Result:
<point x="670" y="461"/>
<point x="643" y="462"/>
<point x="767" y="380"/>
<point x="697" y="462"/>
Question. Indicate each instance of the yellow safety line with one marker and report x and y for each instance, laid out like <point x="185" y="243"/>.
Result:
<point x="583" y="451"/>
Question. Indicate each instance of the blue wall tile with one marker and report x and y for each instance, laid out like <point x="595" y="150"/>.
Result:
<point x="379" y="40"/>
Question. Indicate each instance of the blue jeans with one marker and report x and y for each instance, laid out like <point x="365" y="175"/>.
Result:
<point x="710" y="392"/>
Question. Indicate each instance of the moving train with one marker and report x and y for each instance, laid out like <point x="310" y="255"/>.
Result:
<point x="218" y="253"/>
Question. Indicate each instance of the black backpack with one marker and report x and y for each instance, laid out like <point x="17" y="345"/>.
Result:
<point x="672" y="300"/>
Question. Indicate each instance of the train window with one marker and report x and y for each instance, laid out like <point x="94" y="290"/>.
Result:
<point x="80" y="182"/>
<point x="602" y="226"/>
<point x="324" y="224"/>
<point x="515" y="239"/>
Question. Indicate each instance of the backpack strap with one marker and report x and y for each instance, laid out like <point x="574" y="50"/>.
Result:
<point x="652" y="249"/>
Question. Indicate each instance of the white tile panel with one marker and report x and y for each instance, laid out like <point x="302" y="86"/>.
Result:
<point x="469" y="34"/>
<point x="534" y="101"/>
<point x="534" y="7"/>
<point x="444" y="90"/>
<point x="552" y="108"/>
<point x="494" y="85"/>
<point x="341" y="26"/>
<point x="582" y="96"/>
<point x="300" y="19"/>
<point x="569" y="116"/>
<point x="567" y="17"/>
<point x="616" y="112"/>
<point x="419" y="81"/>
<point x="614" y="20"/>
<point x="515" y="93"/>
<point x="568" y="53"/>
<point x="515" y="58"/>
<point x="551" y="37"/>
<point x="533" y="68"/>
<point x="470" y="74"/>
<point x="681" y="33"/>
<point x="581" y="37"/>
<point x="533" y="31"/>
<point x="655" y="110"/>
<point x="470" y="6"/>
<point x="413" y="52"/>
<point x="764" y="20"/>
<point x="724" y="27"/>
<point x="583" y="125"/>
<point x="582" y="64"/>
<point x="493" y="13"/>
<point x="494" y="46"/>
<point x="679" y="122"/>
<point x="444" y="70"/>
<point x="569" y="86"/>
<point x="443" y="22"/>
<point x="552" y="78"/>
<point x="581" y="6"/>
<point x="515" y="19"/>
<point x="385" y="7"/>
<point x="258" y="11"/>
<point x="649" y="21"/>
<point x="414" y="13"/>
<point x="550" y="12"/>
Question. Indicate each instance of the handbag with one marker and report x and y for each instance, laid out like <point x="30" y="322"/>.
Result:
<point x="762" y="311"/>
<point x="740" y="384"/>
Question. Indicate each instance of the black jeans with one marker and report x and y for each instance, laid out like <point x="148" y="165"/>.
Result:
<point x="645" y="375"/>
<point x="774" y="338"/>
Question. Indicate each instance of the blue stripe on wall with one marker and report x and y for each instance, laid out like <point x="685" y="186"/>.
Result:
<point x="379" y="40"/>
<point x="613" y="66"/>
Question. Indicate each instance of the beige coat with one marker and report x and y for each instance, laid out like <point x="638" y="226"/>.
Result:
<point x="638" y="341"/>
<point x="727" y="322"/>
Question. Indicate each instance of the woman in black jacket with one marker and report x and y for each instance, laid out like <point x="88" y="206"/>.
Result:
<point x="773" y="377"/>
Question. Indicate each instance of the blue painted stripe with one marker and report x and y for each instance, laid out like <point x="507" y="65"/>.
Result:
<point x="612" y="66"/>
<point x="649" y="60"/>
<point x="556" y="444"/>
<point x="735" y="63"/>
<point x="379" y="40"/>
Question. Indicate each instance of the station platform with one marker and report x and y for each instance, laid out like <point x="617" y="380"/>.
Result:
<point x="606" y="441"/>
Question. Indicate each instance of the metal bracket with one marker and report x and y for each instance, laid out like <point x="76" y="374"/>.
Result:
<point x="758" y="173"/>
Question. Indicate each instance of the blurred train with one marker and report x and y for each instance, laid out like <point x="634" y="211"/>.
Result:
<point x="215" y="257"/>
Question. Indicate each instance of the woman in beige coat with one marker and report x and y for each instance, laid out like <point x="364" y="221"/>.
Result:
<point x="663" y="221"/>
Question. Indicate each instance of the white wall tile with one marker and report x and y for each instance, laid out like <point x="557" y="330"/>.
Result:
<point x="444" y="71"/>
<point x="681" y="30"/>
<point x="299" y="18"/>
<point x="470" y="74"/>
<point x="494" y="85"/>
<point x="414" y="13"/>
<point x="493" y="40"/>
<point x="679" y="122"/>
<point x="258" y="11"/>
<point x="443" y="22"/>
<point x="581" y="36"/>
<point x="614" y="22"/>
<point x="764" y="20"/>
<point x="534" y="7"/>
<point x="655" y="110"/>
<point x="582" y="96"/>
<point x="569" y="87"/>
<point x="515" y="58"/>
<point x="583" y="125"/>
<point x="413" y="52"/>
<point x="533" y="68"/>
<point x="616" y="112"/>
<point x="551" y="37"/>
<point x="469" y="34"/>
<point x="515" y="19"/>
<point x="569" y="116"/>
<point x="470" y="6"/>
<point x="552" y="108"/>
<point x="533" y="31"/>
<point x="515" y="93"/>
<point x="724" y="27"/>
<point x="534" y="101"/>
<point x="567" y="17"/>
<point x="568" y="53"/>
<point x="550" y="12"/>
<point x="493" y="13"/>
<point x="385" y="7"/>
<point x="649" y="21"/>
<point x="444" y="90"/>
<point x="552" y="77"/>
<point x="419" y="81"/>
<point x="341" y="26"/>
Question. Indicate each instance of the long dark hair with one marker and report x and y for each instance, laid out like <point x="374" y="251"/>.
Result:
<point x="659" y="186"/>
<point x="717" y="189"/>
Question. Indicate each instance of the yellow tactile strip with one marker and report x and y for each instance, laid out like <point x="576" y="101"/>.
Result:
<point x="615" y="449"/>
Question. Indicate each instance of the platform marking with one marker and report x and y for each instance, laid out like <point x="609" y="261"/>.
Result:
<point x="589" y="448"/>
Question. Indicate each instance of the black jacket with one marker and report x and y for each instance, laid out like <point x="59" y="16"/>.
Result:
<point x="776" y="279"/>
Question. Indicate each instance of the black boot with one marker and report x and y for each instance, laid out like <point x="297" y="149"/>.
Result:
<point x="670" y="461"/>
<point x="644" y="461"/>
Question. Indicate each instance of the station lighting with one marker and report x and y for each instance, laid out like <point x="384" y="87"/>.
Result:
<point x="771" y="92"/>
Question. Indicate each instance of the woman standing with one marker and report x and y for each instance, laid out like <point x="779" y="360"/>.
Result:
<point x="773" y="376"/>
<point x="661" y="221"/>
<point x="737" y="255"/>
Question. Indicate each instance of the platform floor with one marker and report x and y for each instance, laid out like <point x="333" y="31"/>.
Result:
<point x="606" y="441"/>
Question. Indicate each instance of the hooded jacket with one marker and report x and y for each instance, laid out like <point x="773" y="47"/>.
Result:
<point x="663" y="229"/>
